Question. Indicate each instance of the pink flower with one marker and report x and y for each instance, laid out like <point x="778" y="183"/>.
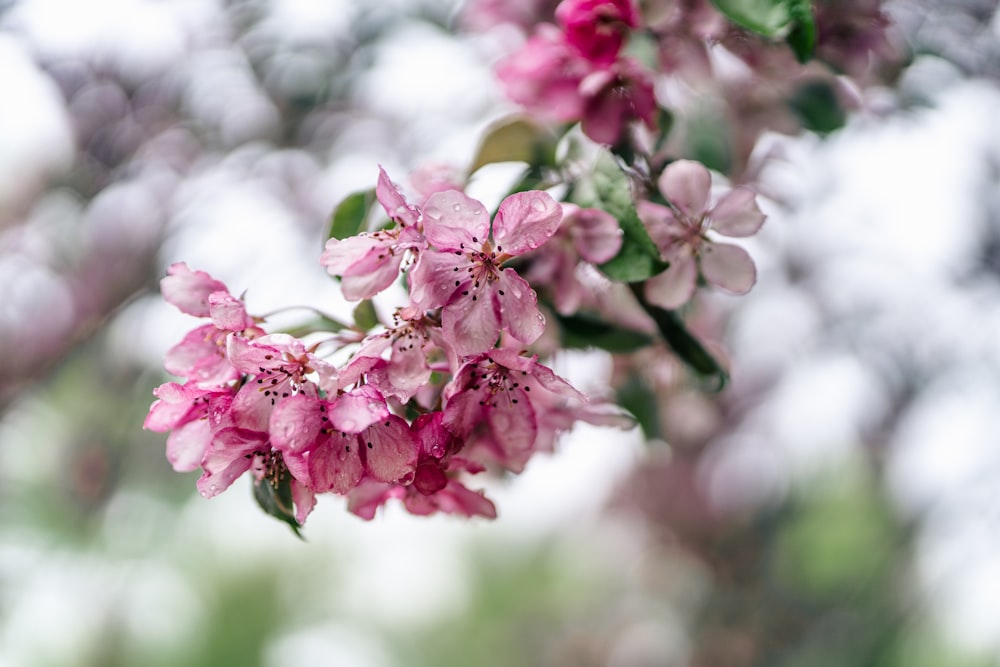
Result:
<point x="331" y="445"/>
<point x="369" y="262"/>
<point x="191" y="414"/>
<point x="680" y="230"/>
<point x="462" y="271"/>
<point x="585" y="235"/>
<point x="615" y="97"/>
<point x="233" y="451"/>
<point x="201" y="355"/>
<point x="545" y="75"/>
<point x="597" y="28"/>
<point x="276" y="366"/>
<point x="506" y="407"/>
<point x="435" y="487"/>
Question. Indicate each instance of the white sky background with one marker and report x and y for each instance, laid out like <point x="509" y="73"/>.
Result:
<point x="886" y="209"/>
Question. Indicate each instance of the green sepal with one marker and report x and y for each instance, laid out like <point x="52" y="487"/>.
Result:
<point x="583" y="330"/>
<point x="351" y="215"/>
<point x="364" y="315"/>
<point x="516" y="140"/>
<point x="274" y="495"/>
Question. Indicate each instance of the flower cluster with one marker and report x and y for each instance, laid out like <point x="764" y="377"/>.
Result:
<point x="576" y="71"/>
<point x="443" y="391"/>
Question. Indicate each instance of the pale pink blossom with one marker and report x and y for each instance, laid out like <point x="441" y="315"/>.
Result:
<point x="681" y="231"/>
<point x="586" y="235"/>
<point x="369" y="262"/>
<point x="506" y="407"/>
<point x="462" y="270"/>
<point x="191" y="414"/>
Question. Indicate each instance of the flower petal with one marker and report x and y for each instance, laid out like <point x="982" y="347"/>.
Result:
<point x="674" y="287"/>
<point x="189" y="290"/>
<point x="737" y="214"/>
<point x="525" y="220"/>
<point x="295" y="423"/>
<point x="729" y="267"/>
<point x="686" y="184"/>
<point x="471" y="326"/>
<point x="334" y="466"/>
<point x="393" y="202"/>
<point x="519" y="313"/>
<point x="453" y="220"/>
<point x="596" y="234"/>
<point x="432" y="280"/>
<point x="390" y="450"/>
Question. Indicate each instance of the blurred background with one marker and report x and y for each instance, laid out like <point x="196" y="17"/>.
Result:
<point x="838" y="504"/>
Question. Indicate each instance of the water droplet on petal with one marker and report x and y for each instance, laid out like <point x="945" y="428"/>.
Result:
<point x="213" y="488"/>
<point x="456" y="207"/>
<point x="204" y="493"/>
<point x="541" y="318"/>
<point x="433" y="212"/>
<point x="538" y="204"/>
<point x="477" y="211"/>
<point x="342" y="455"/>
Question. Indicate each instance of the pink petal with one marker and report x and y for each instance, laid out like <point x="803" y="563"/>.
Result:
<point x="513" y="428"/>
<point x="228" y="312"/>
<point x="471" y="326"/>
<point x="304" y="499"/>
<point x="596" y="234"/>
<point x="519" y="313"/>
<point x="525" y="220"/>
<point x="335" y="466"/>
<point x="226" y="458"/>
<point x="432" y="280"/>
<point x="393" y="202"/>
<point x="729" y="267"/>
<point x="295" y="423"/>
<point x="453" y="220"/>
<point x="675" y="286"/>
<point x="355" y="411"/>
<point x="189" y="290"/>
<point x="686" y="184"/>
<point x="187" y="443"/>
<point x="737" y="214"/>
<point x="391" y="451"/>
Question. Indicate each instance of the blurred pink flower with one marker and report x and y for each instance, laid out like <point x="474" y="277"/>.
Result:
<point x="680" y="230"/>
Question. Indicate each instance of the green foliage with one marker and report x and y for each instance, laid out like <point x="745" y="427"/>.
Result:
<point x="636" y="396"/>
<point x="609" y="189"/>
<point x="351" y="215"/>
<point x="583" y="330"/>
<point x="365" y="316"/>
<point x="516" y="140"/>
<point x="274" y="495"/>
<point x="816" y="105"/>
<point x="791" y="20"/>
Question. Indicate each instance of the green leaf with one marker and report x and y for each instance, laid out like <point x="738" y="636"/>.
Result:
<point x="365" y="316"/>
<point x="682" y="342"/>
<point x="818" y="109"/>
<point x="584" y="330"/>
<point x="639" y="258"/>
<point x="636" y="397"/>
<point x="802" y="37"/>
<point x="351" y="215"/>
<point x="516" y="140"/>
<point x="791" y="20"/>
<point x="274" y="495"/>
